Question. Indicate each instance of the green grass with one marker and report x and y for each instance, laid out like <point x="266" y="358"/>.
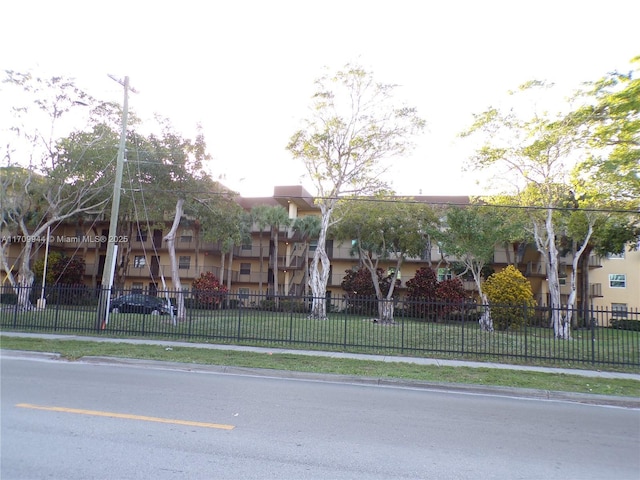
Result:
<point x="611" y="349"/>
<point x="75" y="349"/>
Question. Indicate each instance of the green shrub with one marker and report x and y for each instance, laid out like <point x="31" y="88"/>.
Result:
<point x="9" y="298"/>
<point x="625" y="324"/>
<point x="510" y="297"/>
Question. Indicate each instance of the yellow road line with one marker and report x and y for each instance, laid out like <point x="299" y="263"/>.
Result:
<point x="127" y="416"/>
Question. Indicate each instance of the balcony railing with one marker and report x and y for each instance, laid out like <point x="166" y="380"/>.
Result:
<point x="595" y="290"/>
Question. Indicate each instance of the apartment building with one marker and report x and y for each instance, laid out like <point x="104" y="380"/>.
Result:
<point x="143" y="259"/>
<point x="616" y="285"/>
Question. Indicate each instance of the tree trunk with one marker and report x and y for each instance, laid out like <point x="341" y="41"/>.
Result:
<point x="170" y="238"/>
<point x="385" y="311"/>
<point x="319" y="271"/>
<point x="222" y="262"/>
<point x="485" y="320"/>
<point x="25" y="278"/>
<point x="261" y="263"/>
<point x="571" y="304"/>
<point x="584" y="287"/>
<point x="546" y="246"/>
<point x="5" y="266"/>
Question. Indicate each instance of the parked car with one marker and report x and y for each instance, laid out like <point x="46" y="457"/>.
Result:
<point x="140" y="303"/>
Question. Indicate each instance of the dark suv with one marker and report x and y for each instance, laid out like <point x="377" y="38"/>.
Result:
<point x="140" y="303"/>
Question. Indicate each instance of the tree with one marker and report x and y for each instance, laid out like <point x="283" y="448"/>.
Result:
<point x="308" y="227"/>
<point x="259" y="216"/>
<point x="277" y="217"/>
<point x="511" y="298"/>
<point x="534" y="153"/>
<point x="385" y="229"/>
<point x="61" y="269"/>
<point x="355" y="127"/>
<point x="361" y="289"/>
<point x="46" y="181"/>
<point x="471" y="234"/>
<point x="610" y="124"/>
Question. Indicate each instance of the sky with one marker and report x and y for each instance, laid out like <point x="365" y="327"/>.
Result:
<point x="244" y="69"/>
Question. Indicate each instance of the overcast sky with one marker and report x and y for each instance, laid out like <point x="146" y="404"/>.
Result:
<point x="244" y="70"/>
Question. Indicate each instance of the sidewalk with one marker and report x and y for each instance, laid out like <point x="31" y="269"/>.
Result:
<point x="318" y="353"/>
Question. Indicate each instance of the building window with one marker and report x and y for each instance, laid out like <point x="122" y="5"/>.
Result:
<point x="139" y="261"/>
<point x="184" y="262"/>
<point x="186" y="237"/>
<point x="141" y="236"/>
<point x="313" y="245"/>
<point x="245" y="269"/>
<point x="392" y="270"/>
<point x="247" y="246"/>
<point x="444" y="274"/>
<point x="617" y="280"/>
<point x="137" y="287"/>
<point x="616" y="255"/>
<point x="619" y="310"/>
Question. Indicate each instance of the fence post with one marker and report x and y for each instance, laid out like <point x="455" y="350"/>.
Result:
<point x="526" y="322"/>
<point x="55" y="321"/>
<point x="344" y="342"/>
<point x="593" y="338"/>
<point x="291" y="306"/>
<point x="462" y="339"/>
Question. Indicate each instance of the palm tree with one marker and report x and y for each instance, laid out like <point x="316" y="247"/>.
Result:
<point x="277" y="217"/>
<point x="308" y="227"/>
<point x="259" y="218"/>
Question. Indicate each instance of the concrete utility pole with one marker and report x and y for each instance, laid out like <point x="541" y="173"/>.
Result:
<point x="109" y="264"/>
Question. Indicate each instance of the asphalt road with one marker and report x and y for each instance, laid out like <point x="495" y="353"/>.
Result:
<point x="70" y="420"/>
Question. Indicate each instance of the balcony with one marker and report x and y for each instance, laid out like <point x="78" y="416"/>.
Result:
<point x="535" y="269"/>
<point x="595" y="261"/>
<point x="595" y="290"/>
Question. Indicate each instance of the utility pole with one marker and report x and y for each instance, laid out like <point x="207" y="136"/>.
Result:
<point x="109" y="264"/>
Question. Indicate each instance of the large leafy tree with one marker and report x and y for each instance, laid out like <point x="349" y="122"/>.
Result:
<point x="389" y="230"/>
<point x="471" y="235"/>
<point x="609" y="122"/>
<point x="49" y="179"/>
<point x="535" y="154"/>
<point x="608" y="178"/>
<point x="355" y="128"/>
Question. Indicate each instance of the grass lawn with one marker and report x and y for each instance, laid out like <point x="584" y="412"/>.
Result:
<point x="75" y="349"/>
<point x="609" y="349"/>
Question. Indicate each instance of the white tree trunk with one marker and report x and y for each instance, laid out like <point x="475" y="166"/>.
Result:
<point x="571" y="304"/>
<point x="385" y="311"/>
<point x="25" y="278"/>
<point x="485" y="320"/>
<point x="170" y="238"/>
<point x="319" y="271"/>
<point x="546" y="245"/>
<point x="6" y="267"/>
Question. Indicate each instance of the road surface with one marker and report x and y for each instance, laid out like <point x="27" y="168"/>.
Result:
<point x="74" y="420"/>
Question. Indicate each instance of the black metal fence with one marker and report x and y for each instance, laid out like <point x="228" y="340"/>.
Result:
<point x="419" y="328"/>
